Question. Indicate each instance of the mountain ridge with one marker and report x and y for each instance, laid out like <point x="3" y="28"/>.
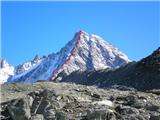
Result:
<point x="142" y="75"/>
<point x="84" y="52"/>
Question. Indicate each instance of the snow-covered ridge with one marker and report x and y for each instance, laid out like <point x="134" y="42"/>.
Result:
<point x="9" y="72"/>
<point x="87" y="42"/>
<point x="84" y="52"/>
<point x="26" y="68"/>
<point x="6" y="71"/>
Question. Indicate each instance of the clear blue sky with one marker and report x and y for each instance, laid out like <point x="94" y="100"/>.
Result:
<point x="30" y="28"/>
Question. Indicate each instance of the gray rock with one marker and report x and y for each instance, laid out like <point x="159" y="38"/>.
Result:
<point x="42" y="106"/>
<point x="30" y="101"/>
<point x="46" y="93"/>
<point x="61" y="116"/>
<point x="49" y="114"/>
<point x="153" y="108"/>
<point x="100" y="115"/>
<point x="155" y="117"/>
<point x="131" y="113"/>
<point x="133" y="101"/>
<point x="123" y="110"/>
<point x="139" y="104"/>
<point x="134" y="117"/>
<point x="19" y="109"/>
<point x="37" y="117"/>
<point x="95" y="95"/>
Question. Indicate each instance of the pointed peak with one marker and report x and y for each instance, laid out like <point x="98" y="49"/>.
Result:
<point x="82" y="32"/>
<point x="36" y="58"/>
<point x="3" y="63"/>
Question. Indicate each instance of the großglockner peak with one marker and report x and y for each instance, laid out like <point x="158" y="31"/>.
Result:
<point x="85" y="52"/>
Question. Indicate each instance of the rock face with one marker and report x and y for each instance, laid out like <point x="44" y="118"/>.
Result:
<point x="85" y="52"/>
<point x="62" y="101"/>
<point x="142" y="75"/>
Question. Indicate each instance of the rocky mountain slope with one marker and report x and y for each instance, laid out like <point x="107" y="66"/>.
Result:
<point x="85" y="52"/>
<point x="62" y="101"/>
<point x="141" y="75"/>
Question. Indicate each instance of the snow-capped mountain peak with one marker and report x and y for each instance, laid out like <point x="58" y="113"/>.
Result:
<point x="88" y="53"/>
<point x="85" y="52"/>
<point x="6" y="70"/>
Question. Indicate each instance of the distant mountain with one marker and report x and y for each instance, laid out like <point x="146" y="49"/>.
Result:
<point x="142" y="75"/>
<point x="85" y="52"/>
<point x="6" y="71"/>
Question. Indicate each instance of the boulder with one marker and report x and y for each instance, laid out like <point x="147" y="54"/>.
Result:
<point x="37" y="117"/>
<point x="61" y="116"/>
<point x="101" y="115"/>
<point x="155" y="117"/>
<point x="104" y="102"/>
<point x="19" y="109"/>
<point x="49" y="114"/>
<point x="155" y="108"/>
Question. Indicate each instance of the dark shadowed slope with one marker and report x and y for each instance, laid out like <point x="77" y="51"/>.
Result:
<point x="141" y="75"/>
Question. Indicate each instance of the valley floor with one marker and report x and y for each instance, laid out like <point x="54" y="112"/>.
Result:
<point x="64" y="101"/>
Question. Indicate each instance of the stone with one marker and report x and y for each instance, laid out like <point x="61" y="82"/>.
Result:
<point x="123" y="110"/>
<point x="135" y="102"/>
<point x="30" y="101"/>
<point x="155" y="117"/>
<point x="49" y="114"/>
<point x="100" y="115"/>
<point x="104" y="102"/>
<point x="46" y="93"/>
<point x="139" y="103"/>
<point x="61" y="116"/>
<point x="19" y="109"/>
<point x="4" y="113"/>
<point x="43" y="106"/>
<point x="153" y="108"/>
<point x="96" y="95"/>
<point x="37" y="117"/>
<point x="134" y="117"/>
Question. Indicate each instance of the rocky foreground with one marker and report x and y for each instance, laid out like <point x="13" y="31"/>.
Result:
<point x="62" y="101"/>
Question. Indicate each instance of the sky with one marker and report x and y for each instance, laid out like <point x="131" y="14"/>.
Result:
<point x="30" y="28"/>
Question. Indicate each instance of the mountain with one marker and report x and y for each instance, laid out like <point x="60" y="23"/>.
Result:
<point x="28" y="65"/>
<point x="85" y="52"/>
<point x="142" y="75"/>
<point x="6" y="71"/>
